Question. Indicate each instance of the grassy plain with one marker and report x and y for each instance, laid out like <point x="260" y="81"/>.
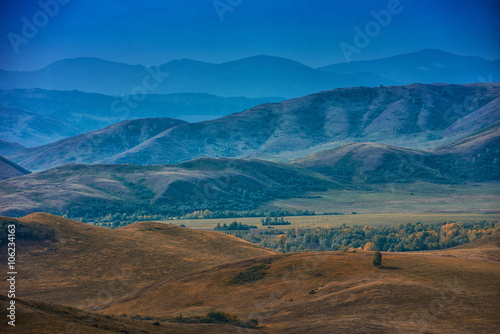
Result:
<point x="337" y="220"/>
<point x="400" y="198"/>
<point x="393" y="204"/>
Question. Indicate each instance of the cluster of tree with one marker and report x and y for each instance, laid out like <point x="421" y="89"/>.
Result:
<point x="396" y="238"/>
<point x="215" y="317"/>
<point x="121" y="219"/>
<point x="212" y="317"/>
<point x="207" y="214"/>
<point x="234" y="226"/>
<point x="270" y="221"/>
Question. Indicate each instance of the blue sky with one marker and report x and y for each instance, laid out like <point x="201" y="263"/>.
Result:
<point x="311" y="32"/>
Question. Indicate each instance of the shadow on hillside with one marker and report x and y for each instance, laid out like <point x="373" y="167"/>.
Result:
<point x="389" y="268"/>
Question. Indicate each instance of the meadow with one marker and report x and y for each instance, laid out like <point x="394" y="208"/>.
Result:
<point x="330" y="221"/>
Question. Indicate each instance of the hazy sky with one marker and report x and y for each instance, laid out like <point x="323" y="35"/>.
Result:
<point x="151" y="32"/>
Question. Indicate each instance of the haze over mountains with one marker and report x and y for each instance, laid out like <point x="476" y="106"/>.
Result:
<point x="258" y="76"/>
<point x="44" y="116"/>
<point x="427" y="66"/>
<point x="9" y="148"/>
<point x="34" y="117"/>
<point x="414" y="116"/>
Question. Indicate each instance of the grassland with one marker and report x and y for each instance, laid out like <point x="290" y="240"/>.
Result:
<point x="392" y="204"/>
<point x="349" y="219"/>
<point x="160" y="271"/>
<point x="337" y="292"/>
<point x="400" y="198"/>
<point x="87" y="266"/>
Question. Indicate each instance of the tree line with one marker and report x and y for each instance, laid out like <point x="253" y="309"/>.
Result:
<point x="395" y="238"/>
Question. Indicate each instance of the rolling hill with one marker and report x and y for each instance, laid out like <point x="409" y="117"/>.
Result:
<point x="373" y="163"/>
<point x="102" y="143"/>
<point x="470" y="159"/>
<point x="214" y="184"/>
<point x="160" y="271"/>
<point x="239" y="184"/>
<point x="335" y="292"/>
<point x="37" y="317"/>
<point x="416" y="116"/>
<point x="71" y="263"/>
<point x="9" y="169"/>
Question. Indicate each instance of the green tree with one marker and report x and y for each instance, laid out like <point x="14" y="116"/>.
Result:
<point x="377" y="259"/>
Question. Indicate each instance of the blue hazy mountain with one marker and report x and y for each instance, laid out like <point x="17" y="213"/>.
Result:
<point x="427" y="66"/>
<point x="69" y="113"/>
<point x="259" y="76"/>
<point x="8" y="147"/>
<point x="31" y="129"/>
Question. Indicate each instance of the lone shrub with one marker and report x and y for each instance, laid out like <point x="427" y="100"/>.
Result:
<point x="377" y="259"/>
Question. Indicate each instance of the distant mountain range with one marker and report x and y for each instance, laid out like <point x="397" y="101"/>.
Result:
<point x="414" y="116"/>
<point x="245" y="184"/>
<point x="258" y="76"/>
<point x="253" y="77"/>
<point x="34" y="117"/>
<point x="427" y="66"/>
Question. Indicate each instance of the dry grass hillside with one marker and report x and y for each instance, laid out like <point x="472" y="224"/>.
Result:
<point x="88" y="267"/>
<point x="338" y="292"/>
<point x="36" y="317"/>
<point x="161" y="271"/>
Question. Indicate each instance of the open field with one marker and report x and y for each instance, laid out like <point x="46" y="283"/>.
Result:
<point x="349" y="219"/>
<point x="415" y="197"/>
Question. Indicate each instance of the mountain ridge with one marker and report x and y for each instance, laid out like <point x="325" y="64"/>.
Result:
<point x="426" y="66"/>
<point x="414" y="116"/>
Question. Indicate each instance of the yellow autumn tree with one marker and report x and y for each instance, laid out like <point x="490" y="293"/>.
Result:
<point x="281" y="239"/>
<point x="370" y="247"/>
